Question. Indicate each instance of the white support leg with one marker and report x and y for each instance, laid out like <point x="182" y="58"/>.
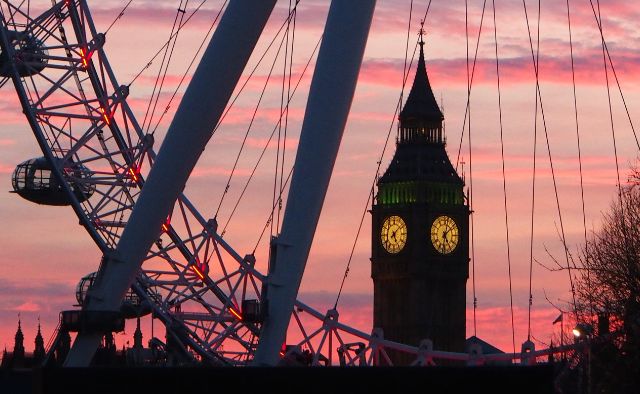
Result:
<point x="202" y="105"/>
<point x="330" y="97"/>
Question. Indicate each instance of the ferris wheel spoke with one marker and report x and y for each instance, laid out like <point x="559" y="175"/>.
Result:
<point x="61" y="83"/>
<point x="220" y="260"/>
<point x="304" y="331"/>
<point x="40" y="20"/>
<point x="233" y="291"/>
<point x="93" y="131"/>
<point x="98" y="214"/>
<point x="175" y="244"/>
<point x="182" y="294"/>
<point x="252" y="280"/>
<point x="229" y="317"/>
<point x="72" y="154"/>
<point x="230" y="331"/>
<point x="194" y="339"/>
<point x="49" y="111"/>
<point x="226" y="279"/>
<point x="212" y="286"/>
<point x="165" y="283"/>
<point x="308" y="341"/>
<point x="183" y="290"/>
<point x="344" y="348"/>
<point x="108" y="196"/>
<point x="160" y="250"/>
<point x="196" y="249"/>
<point x="113" y="212"/>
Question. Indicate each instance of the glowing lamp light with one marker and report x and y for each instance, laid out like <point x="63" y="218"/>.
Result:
<point x="198" y="272"/>
<point x="85" y="56"/>
<point x="199" y="268"/>
<point x="235" y="313"/>
<point x="582" y="330"/>
<point x="134" y="174"/>
<point x="165" y="225"/>
<point x="105" y="115"/>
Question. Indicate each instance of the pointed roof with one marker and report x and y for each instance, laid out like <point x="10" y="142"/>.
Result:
<point x="5" y="358"/>
<point x="421" y="162"/>
<point x="18" y="345"/>
<point x="19" y="336"/>
<point x="39" y="351"/>
<point x="39" y="340"/>
<point x="137" y="336"/>
<point x="420" y="151"/>
<point x="421" y="103"/>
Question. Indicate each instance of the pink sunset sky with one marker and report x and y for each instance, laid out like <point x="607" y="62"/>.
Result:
<point x="45" y="252"/>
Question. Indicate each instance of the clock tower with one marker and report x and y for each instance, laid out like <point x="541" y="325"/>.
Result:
<point x="420" y="232"/>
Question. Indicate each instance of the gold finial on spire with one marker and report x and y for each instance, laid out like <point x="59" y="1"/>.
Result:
<point x="422" y="33"/>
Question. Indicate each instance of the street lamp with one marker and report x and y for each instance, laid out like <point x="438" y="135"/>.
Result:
<point x="584" y="331"/>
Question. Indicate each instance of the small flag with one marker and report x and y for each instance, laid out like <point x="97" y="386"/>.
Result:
<point x="558" y="319"/>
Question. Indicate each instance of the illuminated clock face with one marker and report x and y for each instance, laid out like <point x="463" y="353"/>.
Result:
<point x="444" y="234"/>
<point x="393" y="234"/>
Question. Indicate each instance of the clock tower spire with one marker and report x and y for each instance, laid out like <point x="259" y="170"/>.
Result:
<point x="420" y="221"/>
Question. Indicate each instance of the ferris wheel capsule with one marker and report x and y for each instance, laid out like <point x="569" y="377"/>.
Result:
<point x="34" y="181"/>
<point x="29" y="57"/>
<point x="132" y="305"/>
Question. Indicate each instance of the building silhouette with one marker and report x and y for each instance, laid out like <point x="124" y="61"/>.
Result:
<point x="106" y="355"/>
<point x="19" y="358"/>
<point x="420" y="227"/>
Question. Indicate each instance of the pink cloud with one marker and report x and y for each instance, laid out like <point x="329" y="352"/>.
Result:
<point x="514" y="70"/>
<point x="168" y="81"/>
<point x="203" y="171"/>
<point x="28" y="306"/>
<point x="260" y="142"/>
<point x="241" y="115"/>
<point x="447" y="67"/>
<point x="6" y="169"/>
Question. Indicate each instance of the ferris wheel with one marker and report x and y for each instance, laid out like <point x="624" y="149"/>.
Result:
<point x="96" y="160"/>
<point x="99" y="160"/>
